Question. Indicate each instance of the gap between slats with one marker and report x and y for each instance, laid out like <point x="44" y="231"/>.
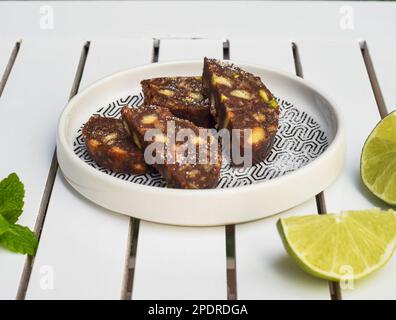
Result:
<point x="24" y="282"/>
<point x="130" y="259"/>
<point x="334" y="287"/>
<point x="379" y="98"/>
<point x="230" y="229"/>
<point x="134" y="225"/>
<point x="9" y="66"/>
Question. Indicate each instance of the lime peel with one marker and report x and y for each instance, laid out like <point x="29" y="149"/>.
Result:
<point x="362" y="240"/>
<point x="377" y="162"/>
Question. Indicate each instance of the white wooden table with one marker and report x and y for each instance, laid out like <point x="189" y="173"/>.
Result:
<point x="88" y="252"/>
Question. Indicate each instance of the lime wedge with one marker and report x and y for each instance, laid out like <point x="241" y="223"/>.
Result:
<point x="349" y="245"/>
<point x="378" y="160"/>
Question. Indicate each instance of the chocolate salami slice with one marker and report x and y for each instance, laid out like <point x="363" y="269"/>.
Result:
<point x="239" y="100"/>
<point x="183" y="96"/>
<point x="110" y="145"/>
<point x="157" y="131"/>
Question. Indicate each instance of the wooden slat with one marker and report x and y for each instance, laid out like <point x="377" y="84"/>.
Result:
<point x="36" y="91"/>
<point x="264" y="271"/>
<point x="189" y="49"/>
<point x="106" y="57"/>
<point x="339" y="69"/>
<point x="255" y="51"/>
<point x="179" y="262"/>
<point x="84" y="244"/>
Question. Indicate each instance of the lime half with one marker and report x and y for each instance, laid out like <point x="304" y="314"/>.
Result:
<point x="349" y="245"/>
<point x="378" y="160"/>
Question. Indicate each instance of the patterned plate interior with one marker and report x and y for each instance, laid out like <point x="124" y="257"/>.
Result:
<point x="299" y="140"/>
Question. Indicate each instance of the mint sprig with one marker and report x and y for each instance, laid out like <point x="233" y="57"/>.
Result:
<point x="12" y="193"/>
<point x="19" y="239"/>
<point x="14" y="237"/>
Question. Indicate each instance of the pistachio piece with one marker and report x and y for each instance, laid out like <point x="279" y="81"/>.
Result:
<point x="193" y="173"/>
<point x="109" y="139"/>
<point x="118" y="150"/>
<point x="188" y="99"/>
<point x="166" y="92"/>
<point x="243" y="94"/>
<point x="259" y="117"/>
<point x="93" y="143"/>
<point x="221" y="80"/>
<point x="223" y="98"/>
<point x="195" y="95"/>
<point x="257" y="135"/>
<point x="263" y="95"/>
<point x="149" y="119"/>
<point x="273" y="104"/>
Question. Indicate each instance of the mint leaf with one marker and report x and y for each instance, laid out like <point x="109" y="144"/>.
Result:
<point x="4" y="225"/>
<point x="12" y="192"/>
<point x="14" y="237"/>
<point x="19" y="239"/>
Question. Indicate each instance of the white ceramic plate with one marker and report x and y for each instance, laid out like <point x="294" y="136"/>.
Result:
<point x="307" y="156"/>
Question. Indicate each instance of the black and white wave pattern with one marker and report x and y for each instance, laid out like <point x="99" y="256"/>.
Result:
<point x="299" y="140"/>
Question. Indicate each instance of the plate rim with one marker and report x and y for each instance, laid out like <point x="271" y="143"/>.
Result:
<point x="62" y="141"/>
